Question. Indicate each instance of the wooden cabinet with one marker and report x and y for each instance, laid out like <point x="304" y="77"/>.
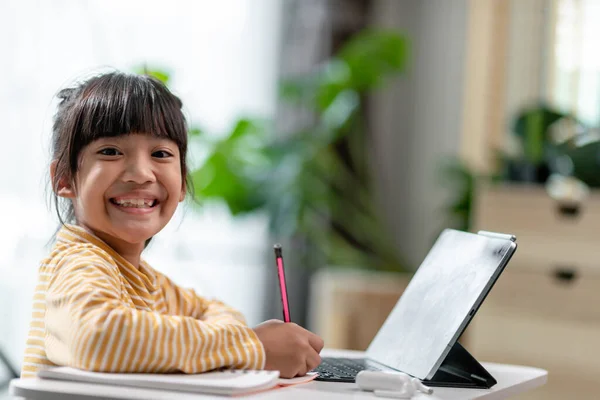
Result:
<point x="544" y="311"/>
<point x="347" y="307"/>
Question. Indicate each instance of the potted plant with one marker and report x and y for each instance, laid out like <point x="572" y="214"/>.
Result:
<point x="549" y="144"/>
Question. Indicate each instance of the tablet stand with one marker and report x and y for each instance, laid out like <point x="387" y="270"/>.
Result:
<point x="461" y="370"/>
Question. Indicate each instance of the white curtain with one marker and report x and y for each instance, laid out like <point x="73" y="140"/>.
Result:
<point x="576" y="58"/>
<point x="223" y="59"/>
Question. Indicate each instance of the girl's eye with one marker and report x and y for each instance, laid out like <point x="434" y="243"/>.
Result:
<point x="161" y="154"/>
<point x="109" y="151"/>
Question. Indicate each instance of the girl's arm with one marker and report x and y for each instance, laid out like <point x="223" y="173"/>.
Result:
<point x="183" y="301"/>
<point x="89" y="326"/>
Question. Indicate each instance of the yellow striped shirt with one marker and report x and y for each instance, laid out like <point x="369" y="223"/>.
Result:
<point x="94" y="310"/>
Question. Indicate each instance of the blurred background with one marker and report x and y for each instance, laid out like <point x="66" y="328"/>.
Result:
<point x="352" y="132"/>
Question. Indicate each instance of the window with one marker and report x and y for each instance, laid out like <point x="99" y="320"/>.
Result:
<point x="576" y="59"/>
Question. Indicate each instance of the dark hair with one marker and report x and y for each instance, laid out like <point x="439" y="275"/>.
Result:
<point x="109" y="105"/>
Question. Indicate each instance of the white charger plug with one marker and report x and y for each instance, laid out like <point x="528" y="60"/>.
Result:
<point x="390" y="384"/>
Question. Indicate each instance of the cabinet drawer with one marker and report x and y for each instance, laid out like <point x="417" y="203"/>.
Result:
<point x="532" y="318"/>
<point x="544" y="294"/>
<point x="567" y="351"/>
<point x="547" y="237"/>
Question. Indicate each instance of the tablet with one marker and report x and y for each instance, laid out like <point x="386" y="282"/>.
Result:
<point x="440" y="301"/>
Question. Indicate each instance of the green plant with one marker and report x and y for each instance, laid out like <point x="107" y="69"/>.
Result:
<point x="532" y="128"/>
<point x="313" y="181"/>
<point x="553" y="142"/>
<point x="549" y="142"/>
<point x="581" y="156"/>
<point x="536" y="147"/>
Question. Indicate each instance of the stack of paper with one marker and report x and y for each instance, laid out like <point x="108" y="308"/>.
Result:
<point x="230" y="382"/>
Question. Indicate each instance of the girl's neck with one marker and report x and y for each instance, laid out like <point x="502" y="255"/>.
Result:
<point x="130" y="252"/>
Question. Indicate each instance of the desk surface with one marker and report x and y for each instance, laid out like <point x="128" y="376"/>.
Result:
<point x="511" y="381"/>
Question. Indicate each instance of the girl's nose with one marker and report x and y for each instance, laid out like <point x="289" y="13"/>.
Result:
<point x="139" y="170"/>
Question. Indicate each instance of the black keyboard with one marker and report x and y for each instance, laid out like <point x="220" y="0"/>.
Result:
<point x="343" y="369"/>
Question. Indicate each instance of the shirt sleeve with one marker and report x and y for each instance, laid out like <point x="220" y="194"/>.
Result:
<point x="90" y="326"/>
<point x="185" y="301"/>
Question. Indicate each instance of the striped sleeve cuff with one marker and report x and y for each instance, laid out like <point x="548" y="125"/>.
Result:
<point x="248" y="348"/>
<point x="259" y="354"/>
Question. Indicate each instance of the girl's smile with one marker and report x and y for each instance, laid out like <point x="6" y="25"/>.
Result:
<point x="136" y="203"/>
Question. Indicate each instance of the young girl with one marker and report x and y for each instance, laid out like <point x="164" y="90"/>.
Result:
<point x="118" y="172"/>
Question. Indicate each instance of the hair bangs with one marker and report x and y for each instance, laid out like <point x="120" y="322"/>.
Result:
<point x="121" y="104"/>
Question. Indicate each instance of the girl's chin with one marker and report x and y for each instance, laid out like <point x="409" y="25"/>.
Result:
<point x="136" y="235"/>
<point x="118" y="233"/>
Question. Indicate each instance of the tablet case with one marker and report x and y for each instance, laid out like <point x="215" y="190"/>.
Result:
<point x="461" y="370"/>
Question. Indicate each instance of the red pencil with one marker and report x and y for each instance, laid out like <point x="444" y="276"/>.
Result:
<point x="282" y="284"/>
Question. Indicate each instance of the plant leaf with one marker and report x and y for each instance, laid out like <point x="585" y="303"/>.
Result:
<point x="162" y="75"/>
<point x="372" y="55"/>
<point x="195" y="131"/>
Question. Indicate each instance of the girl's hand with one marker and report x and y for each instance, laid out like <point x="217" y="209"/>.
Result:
<point x="289" y="348"/>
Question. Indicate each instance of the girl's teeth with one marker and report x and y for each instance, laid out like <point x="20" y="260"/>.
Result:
<point x="138" y="203"/>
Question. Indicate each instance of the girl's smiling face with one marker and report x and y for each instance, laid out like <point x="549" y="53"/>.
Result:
<point x="126" y="189"/>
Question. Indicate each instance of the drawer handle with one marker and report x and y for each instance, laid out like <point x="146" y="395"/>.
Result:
<point x="565" y="275"/>
<point x="568" y="210"/>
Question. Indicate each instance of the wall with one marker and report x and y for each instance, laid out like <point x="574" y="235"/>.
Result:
<point x="417" y="120"/>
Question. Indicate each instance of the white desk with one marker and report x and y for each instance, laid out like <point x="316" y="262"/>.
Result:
<point x="511" y="381"/>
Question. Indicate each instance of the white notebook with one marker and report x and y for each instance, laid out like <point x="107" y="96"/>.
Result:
<point x="230" y="382"/>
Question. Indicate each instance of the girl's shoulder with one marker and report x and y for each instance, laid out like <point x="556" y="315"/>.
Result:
<point x="82" y="255"/>
<point x="79" y="262"/>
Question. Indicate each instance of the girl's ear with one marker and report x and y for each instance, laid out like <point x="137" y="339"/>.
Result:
<point x="63" y="187"/>
<point x="183" y="190"/>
